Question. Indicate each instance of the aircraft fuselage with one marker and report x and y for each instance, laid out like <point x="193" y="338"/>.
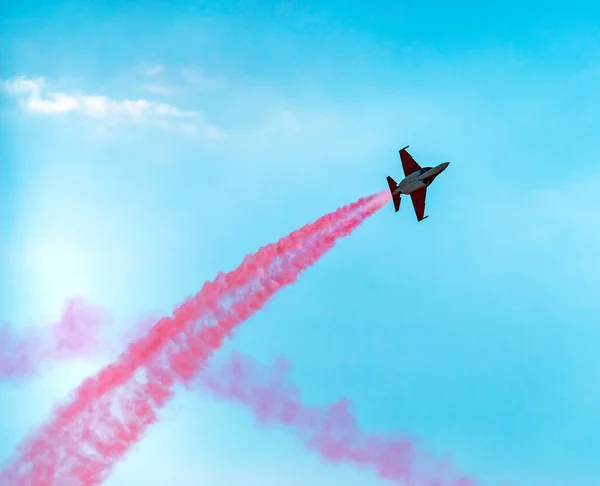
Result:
<point x="420" y="179"/>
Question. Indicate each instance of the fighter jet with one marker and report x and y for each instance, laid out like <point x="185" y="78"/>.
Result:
<point x="415" y="183"/>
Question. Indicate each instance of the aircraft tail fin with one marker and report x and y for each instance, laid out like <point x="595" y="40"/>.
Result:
<point x="395" y="197"/>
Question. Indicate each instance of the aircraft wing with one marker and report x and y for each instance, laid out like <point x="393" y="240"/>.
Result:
<point x="408" y="163"/>
<point x="418" y="200"/>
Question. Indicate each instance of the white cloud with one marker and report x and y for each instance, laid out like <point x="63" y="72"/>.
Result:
<point x="21" y="85"/>
<point x="36" y="98"/>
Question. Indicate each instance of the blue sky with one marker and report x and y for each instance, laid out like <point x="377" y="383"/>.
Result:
<point x="475" y="331"/>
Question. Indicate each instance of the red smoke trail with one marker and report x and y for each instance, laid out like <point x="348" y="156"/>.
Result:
<point x="264" y="390"/>
<point x="108" y="413"/>
<point x="331" y="431"/>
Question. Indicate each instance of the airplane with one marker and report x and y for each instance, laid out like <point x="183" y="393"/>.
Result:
<point x="415" y="183"/>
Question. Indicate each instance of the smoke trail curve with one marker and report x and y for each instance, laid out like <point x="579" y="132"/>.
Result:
<point x="109" y="413"/>
<point x="331" y="431"/>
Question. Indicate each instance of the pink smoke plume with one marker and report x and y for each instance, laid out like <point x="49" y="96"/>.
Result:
<point x="332" y="431"/>
<point x="79" y="332"/>
<point x="109" y="413"/>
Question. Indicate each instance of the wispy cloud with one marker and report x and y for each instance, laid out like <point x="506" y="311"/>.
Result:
<point x="35" y="97"/>
<point x="194" y="75"/>
<point x="153" y="70"/>
<point x="158" y="89"/>
<point x="38" y="99"/>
